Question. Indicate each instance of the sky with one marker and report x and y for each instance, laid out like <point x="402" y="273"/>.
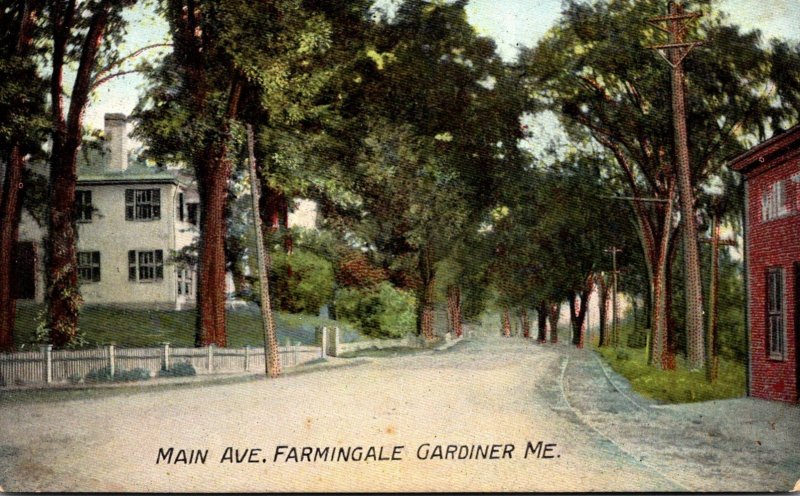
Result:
<point x="512" y="23"/>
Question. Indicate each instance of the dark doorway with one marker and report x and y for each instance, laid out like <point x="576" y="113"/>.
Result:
<point x="24" y="275"/>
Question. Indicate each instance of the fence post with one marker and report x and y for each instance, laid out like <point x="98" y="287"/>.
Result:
<point x="211" y="358"/>
<point x="47" y="355"/>
<point x="323" y="332"/>
<point x="246" y="357"/>
<point x="111" y="361"/>
<point x="165" y="357"/>
<point x="335" y="341"/>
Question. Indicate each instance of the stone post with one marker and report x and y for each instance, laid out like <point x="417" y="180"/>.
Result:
<point x="247" y="358"/>
<point x="335" y="342"/>
<point x="111" y="360"/>
<point x="165" y="357"/>
<point x="211" y="358"/>
<point x="322" y="341"/>
<point x="47" y="356"/>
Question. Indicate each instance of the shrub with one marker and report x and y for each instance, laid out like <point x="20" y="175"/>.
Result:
<point x="306" y="287"/>
<point x="180" y="369"/>
<point x="382" y="312"/>
<point x="104" y="375"/>
<point x="99" y="375"/>
<point x="137" y="374"/>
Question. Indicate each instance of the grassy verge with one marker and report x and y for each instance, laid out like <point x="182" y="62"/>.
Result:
<point x="141" y="328"/>
<point x="383" y="353"/>
<point x="676" y="386"/>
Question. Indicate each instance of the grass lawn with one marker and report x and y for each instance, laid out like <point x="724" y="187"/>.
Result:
<point x="141" y="328"/>
<point x="676" y="386"/>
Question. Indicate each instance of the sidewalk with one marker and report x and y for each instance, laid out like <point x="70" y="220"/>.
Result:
<point x="740" y="444"/>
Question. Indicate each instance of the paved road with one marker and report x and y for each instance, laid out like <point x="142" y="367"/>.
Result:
<point x="486" y="392"/>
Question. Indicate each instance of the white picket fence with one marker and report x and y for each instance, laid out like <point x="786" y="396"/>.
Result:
<point x="47" y="366"/>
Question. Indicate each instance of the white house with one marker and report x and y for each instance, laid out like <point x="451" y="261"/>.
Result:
<point x="131" y="220"/>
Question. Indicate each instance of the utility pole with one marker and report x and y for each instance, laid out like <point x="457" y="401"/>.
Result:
<point x="272" y="359"/>
<point x="712" y="360"/>
<point x="614" y="329"/>
<point x="674" y="52"/>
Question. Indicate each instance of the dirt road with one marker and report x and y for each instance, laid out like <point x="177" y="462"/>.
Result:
<point x="465" y="400"/>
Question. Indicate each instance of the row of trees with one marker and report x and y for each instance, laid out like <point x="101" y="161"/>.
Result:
<point x="405" y="126"/>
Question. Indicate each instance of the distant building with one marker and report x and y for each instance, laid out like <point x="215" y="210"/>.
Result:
<point x="772" y="252"/>
<point x="131" y="220"/>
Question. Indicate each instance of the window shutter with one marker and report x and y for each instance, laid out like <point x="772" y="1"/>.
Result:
<point x="159" y="264"/>
<point x="156" y="204"/>
<point x="96" y="266"/>
<point x="129" y="204"/>
<point x="132" y="265"/>
<point x="89" y="206"/>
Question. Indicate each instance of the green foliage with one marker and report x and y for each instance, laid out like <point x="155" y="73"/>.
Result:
<point x="677" y="386"/>
<point x="180" y="369"/>
<point x="104" y="375"/>
<point x="596" y="71"/>
<point x="301" y="282"/>
<point x="381" y="312"/>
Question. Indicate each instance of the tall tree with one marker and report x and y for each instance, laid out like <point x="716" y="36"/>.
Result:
<point x="84" y="33"/>
<point x="278" y="81"/>
<point x="22" y="93"/>
<point x="596" y="71"/>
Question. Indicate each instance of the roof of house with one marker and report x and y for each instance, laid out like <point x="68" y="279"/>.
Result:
<point x="92" y="170"/>
<point x="765" y="152"/>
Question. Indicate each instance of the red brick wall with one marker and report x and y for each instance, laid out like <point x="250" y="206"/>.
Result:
<point x="774" y="243"/>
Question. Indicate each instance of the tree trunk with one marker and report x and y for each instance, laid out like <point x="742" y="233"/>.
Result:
<point x="454" y="310"/>
<point x="554" y="314"/>
<point x="211" y="266"/>
<point x="62" y="294"/>
<point x="603" y="311"/>
<point x="425" y="296"/>
<point x="506" y="323"/>
<point x="10" y="212"/>
<point x="213" y="170"/>
<point x="11" y="193"/>
<point x="579" y="304"/>
<point x="541" y="315"/>
<point x="662" y="352"/>
<point x="524" y="322"/>
<point x="274" y="208"/>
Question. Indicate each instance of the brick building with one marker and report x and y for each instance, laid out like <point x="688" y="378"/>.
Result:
<point x="772" y="242"/>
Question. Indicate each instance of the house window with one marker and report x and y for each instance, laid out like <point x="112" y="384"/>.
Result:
<point x="776" y="342"/>
<point x="192" y="211"/>
<point x="773" y="202"/>
<point x="180" y="207"/>
<point x="142" y="204"/>
<point x="185" y="287"/>
<point x="145" y="266"/>
<point x="88" y="266"/>
<point x="83" y="206"/>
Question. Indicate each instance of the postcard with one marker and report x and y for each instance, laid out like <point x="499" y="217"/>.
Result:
<point x="399" y="245"/>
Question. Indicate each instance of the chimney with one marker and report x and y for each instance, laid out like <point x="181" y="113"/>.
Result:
<point x="116" y="130"/>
